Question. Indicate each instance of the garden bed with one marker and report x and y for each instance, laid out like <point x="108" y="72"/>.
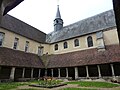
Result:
<point x="45" y="86"/>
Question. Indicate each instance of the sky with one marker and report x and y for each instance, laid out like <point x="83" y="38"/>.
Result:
<point x="41" y="13"/>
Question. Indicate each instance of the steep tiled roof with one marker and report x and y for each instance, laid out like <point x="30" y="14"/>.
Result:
<point x="9" y="57"/>
<point x="93" y="24"/>
<point x="85" y="57"/>
<point x="12" y="24"/>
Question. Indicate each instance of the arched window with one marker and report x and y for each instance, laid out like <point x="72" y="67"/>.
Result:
<point x="1" y="38"/>
<point x="56" y="46"/>
<point x="40" y="51"/>
<point x="76" y="42"/>
<point x="26" y="46"/>
<point x="65" y="45"/>
<point x="89" y="41"/>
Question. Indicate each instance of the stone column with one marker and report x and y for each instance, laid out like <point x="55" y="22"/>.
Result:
<point x="23" y="73"/>
<point x="52" y="72"/>
<point x="58" y="72"/>
<point x="66" y="72"/>
<point x="76" y="72"/>
<point x="99" y="72"/>
<point x="87" y="72"/>
<point x="39" y="73"/>
<point x="45" y="72"/>
<point x="12" y="73"/>
<point x="32" y="72"/>
<point x="112" y="68"/>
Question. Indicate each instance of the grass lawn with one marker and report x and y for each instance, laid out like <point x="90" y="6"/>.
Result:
<point x="77" y="89"/>
<point x="94" y="84"/>
<point x="14" y="85"/>
<point x="8" y="86"/>
<point x="29" y="89"/>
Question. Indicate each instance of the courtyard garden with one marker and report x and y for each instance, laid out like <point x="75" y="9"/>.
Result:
<point x="72" y="85"/>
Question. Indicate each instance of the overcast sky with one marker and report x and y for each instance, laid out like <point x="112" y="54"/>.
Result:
<point x="41" y="13"/>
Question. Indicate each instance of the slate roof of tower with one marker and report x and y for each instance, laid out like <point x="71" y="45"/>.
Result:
<point x="19" y="27"/>
<point x="93" y="24"/>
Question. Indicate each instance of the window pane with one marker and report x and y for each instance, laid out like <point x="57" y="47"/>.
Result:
<point x="90" y="41"/>
<point x="40" y="51"/>
<point x="56" y="46"/>
<point x="76" y="42"/>
<point x="65" y="45"/>
<point x="15" y="43"/>
<point x="26" y="46"/>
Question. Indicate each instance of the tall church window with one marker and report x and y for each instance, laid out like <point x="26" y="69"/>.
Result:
<point x="16" y="43"/>
<point x="26" y="46"/>
<point x="76" y="42"/>
<point x="56" y="47"/>
<point x="40" y="51"/>
<point x="65" y="45"/>
<point x="1" y="38"/>
<point x="90" y="41"/>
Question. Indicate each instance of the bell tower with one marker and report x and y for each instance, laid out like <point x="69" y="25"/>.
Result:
<point x="58" y="22"/>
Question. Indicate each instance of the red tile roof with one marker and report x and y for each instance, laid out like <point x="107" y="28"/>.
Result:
<point x="85" y="57"/>
<point x="9" y="57"/>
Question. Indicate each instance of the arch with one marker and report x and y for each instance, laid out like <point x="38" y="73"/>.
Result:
<point x="90" y="41"/>
<point x="56" y="47"/>
<point x="65" y="45"/>
<point x="76" y="42"/>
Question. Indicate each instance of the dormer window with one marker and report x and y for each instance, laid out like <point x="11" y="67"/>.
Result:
<point x="56" y="21"/>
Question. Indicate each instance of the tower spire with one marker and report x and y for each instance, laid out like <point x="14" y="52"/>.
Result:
<point x="58" y="22"/>
<point x="58" y="12"/>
